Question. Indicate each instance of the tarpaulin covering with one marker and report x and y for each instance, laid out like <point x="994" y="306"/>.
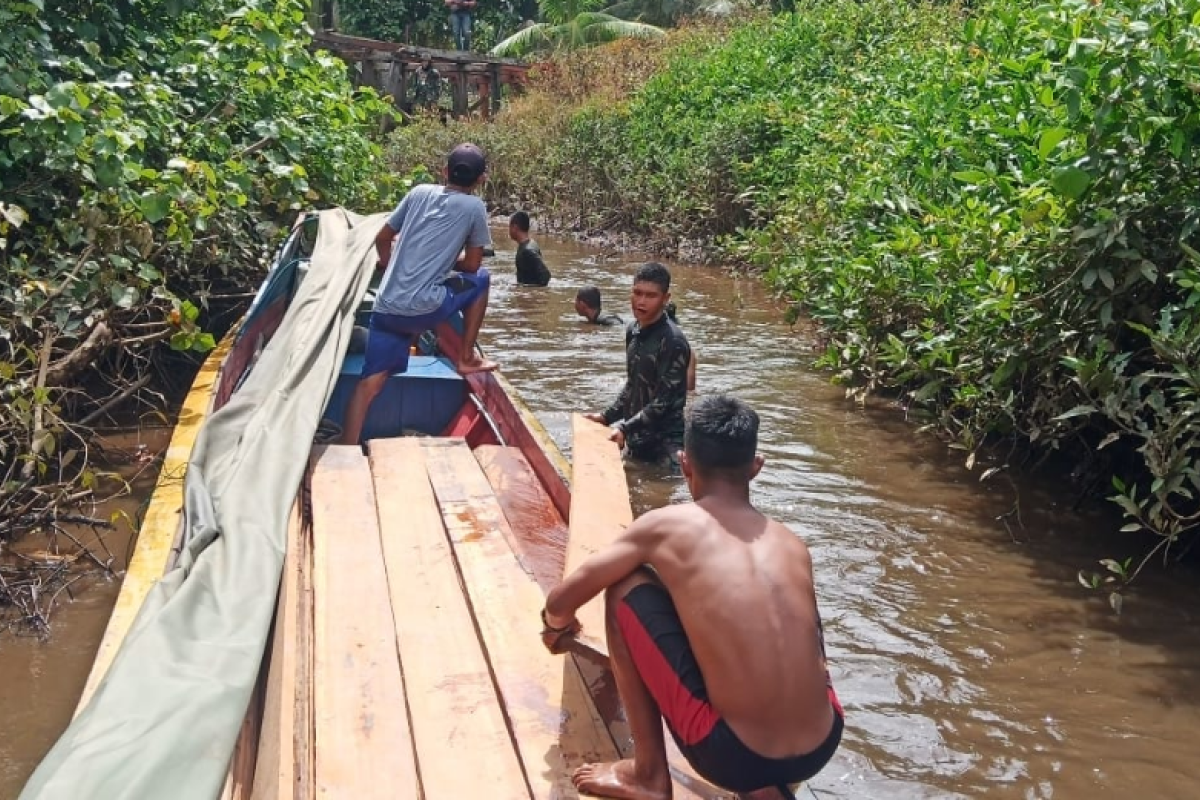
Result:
<point x="164" y="721"/>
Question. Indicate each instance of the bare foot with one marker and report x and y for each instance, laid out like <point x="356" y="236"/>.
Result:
<point x="617" y="779"/>
<point x="476" y="365"/>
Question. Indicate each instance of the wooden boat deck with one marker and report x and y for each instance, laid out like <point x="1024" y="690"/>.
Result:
<point x="406" y="660"/>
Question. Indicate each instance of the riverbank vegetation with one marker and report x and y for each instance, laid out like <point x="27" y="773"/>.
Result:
<point x="990" y="211"/>
<point x="151" y="152"/>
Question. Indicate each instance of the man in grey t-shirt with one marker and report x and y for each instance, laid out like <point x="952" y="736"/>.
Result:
<point x="426" y="281"/>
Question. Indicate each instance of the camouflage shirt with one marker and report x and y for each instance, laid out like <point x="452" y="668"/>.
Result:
<point x="650" y="407"/>
<point x="607" y="320"/>
<point x="428" y="89"/>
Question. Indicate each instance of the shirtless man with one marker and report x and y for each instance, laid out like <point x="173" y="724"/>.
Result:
<point x="712" y="625"/>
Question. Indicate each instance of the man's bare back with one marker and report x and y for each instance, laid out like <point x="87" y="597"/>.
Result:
<point x="742" y="584"/>
<point x="722" y="641"/>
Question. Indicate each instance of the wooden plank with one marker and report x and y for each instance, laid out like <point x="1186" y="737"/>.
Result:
<point x="552" y="720"/>
<point x="520" y="428"/>
<point x="276" y="773"/>
<point x="304" y="731"/>
<point x="153" y="550"/>
<point x="600" y="510"/>
<point x="539" y="530"/>
<point x="597" y="677"/>
<point x="452" y="700"/>
<point x="362" y="741"/>
<point x="239" y="780"/>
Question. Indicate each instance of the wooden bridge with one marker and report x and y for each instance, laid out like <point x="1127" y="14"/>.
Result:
<point x="476" y="81"/>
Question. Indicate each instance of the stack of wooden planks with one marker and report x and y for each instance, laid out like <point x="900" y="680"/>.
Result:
<point x="406" y="660"/>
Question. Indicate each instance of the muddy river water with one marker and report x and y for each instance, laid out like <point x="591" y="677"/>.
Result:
<point x="968" y="658"/>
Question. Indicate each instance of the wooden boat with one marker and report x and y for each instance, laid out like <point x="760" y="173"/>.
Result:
<point x="404" y="658"/>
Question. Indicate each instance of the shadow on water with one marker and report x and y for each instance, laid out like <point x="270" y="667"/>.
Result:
<point x="968" y="656"/>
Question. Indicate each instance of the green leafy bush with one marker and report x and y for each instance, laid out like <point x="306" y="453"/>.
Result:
<point x="149" y="153"/>
<point x="991" y="213"/>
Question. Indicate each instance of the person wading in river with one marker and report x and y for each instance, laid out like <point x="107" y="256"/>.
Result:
<point x="691" y="371"/>
<point x="531" y="267"/>
<point x="588" y="306"/>
<point x="647" y="416"/>
<point x="712" y="626"/>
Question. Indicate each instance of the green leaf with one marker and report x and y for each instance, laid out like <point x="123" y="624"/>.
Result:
<point x="61" y="95"/>
<point x="974" y="177"/>
<point x="155" y="206"/>
<point x="75" y="132"/>
<point x="124" y="296"/>
<point x="1050" y="139"/>
<point x="10" y="106"/>
<point x="1071" y="182"/>
<point x="1077" y="411"/>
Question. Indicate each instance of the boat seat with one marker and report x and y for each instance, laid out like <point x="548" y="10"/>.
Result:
<point x="424" y="398"/>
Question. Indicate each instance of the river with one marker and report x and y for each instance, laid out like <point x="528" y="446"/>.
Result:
<point x="968" y="658"/>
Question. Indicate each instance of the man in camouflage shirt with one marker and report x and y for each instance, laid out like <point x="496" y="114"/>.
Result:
<point x="428" y="89"/>
<point x="647" y="417"/>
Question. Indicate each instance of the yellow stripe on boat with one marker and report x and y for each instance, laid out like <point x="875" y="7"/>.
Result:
<point x="161" y="522"/>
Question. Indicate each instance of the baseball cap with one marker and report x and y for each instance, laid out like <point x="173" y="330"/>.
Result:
<point x="465" y="164"/>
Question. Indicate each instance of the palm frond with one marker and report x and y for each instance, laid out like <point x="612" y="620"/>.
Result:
<point x="600" y="28"/>
<point x="560" y="12"/>
<point x="533" y="39"/>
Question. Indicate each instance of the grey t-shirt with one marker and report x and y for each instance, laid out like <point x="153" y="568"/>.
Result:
<point x="435" y="224"/>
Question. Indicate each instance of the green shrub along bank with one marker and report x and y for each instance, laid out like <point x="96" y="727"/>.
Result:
<point x="991" y="212"/>
<point x="150" y="150"/>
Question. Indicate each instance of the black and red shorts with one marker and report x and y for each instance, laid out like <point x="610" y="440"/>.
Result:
<point x="663" y="655"/>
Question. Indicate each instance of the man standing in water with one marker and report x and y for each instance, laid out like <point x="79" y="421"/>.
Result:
<point x="434" y="223"/>
<point x="712" y="626"/>
<point x="588" y="305"/>
<point x="531" y="268"/>
<point x="647" y="416"/>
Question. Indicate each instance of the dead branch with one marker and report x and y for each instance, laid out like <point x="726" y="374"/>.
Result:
<point x="66" y="282"/>
<point x="38" y="437"/>
<point x="74" y="362"/>
<point x="157" y="336"/>
<point x="112" y="402"/>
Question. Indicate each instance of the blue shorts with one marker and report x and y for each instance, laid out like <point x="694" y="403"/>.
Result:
<point x="391" y="335"/>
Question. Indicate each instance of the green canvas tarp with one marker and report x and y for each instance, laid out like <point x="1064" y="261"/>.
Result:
<point x="163" y="722"/>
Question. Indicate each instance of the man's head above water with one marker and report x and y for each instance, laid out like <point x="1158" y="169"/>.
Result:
<point x="587" y="302"/>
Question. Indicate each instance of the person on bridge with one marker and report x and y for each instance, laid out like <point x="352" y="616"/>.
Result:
<point x="434" y="224"/>
<point x="428" y="89"/>
<point x="712" y="626"/>
<point x="460" y="22"/>
<point x="647" y="416"/>
<point x="531" y="269"/>
<point x="588" y="305"/>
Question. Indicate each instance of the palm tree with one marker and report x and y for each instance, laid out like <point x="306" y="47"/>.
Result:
<point x="571" y="24"/>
